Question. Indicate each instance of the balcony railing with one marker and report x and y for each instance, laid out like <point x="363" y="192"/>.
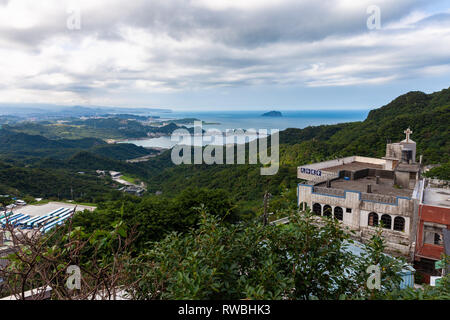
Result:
<point x="363" y="196"/>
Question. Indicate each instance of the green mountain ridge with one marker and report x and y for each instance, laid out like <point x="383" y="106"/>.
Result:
<point x="428" y="115"/>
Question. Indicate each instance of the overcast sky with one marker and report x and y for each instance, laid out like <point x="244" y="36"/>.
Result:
<point x="222" y="54"/>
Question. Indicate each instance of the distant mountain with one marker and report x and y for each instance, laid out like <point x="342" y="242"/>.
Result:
<point x="272" y="114"/>
<point x="46" y="111"/>
<point x="101" y="128"/>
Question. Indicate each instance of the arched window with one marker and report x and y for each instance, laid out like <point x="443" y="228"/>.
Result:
<point x="327" y="211"/>
<point x="317" y="209"/>
<point x="303" y="206"/>
<point x="338" y="213"/>
<point x="399" y="223"/>
<point x="373" y="219"/>
<point x="386" y="220"/>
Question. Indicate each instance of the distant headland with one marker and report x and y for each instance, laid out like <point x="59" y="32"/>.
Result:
<point x="272" y="114"/>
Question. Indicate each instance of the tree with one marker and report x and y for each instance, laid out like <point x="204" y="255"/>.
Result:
<point x="40" y="261"/>
<point x="303" y="260"/>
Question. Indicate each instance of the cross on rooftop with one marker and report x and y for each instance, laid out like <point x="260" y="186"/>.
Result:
<point x="408" y="132"/>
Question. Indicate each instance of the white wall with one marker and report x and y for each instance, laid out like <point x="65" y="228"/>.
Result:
<point x="370" y="160"/>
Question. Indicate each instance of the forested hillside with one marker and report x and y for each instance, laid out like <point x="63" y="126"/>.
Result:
<point x="53" y="183"/>
<point x="428" y="115"/>
<point x="29" y="148"/>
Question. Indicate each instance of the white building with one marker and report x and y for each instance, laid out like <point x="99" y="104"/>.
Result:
<point x="363" y="192"/>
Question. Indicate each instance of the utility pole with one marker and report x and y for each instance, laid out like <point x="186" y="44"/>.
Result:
<point x="266" y="204"/>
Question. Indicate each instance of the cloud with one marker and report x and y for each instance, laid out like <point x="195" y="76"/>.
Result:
<point x="168" y="46"/>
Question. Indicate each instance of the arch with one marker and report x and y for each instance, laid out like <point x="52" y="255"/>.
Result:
<point x="317" y="209"/>
<point x="327" y="211"/>
<point x="386" y="220"/>
<point x="399" y="224"/>
<point x="303" y="206"/>
<point x="373" y="219"/>
<point x="338" y="213"/>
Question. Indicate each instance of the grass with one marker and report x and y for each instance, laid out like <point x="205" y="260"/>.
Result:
<point x="80" y="203"/>
<point x="130" y="179"/>
<point x="34" y="202"/>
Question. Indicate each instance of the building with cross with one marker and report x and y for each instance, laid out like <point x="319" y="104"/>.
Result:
<point x="364" y="192"/>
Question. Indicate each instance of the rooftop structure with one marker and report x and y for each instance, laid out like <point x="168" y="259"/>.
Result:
<point x="383" y="186"/>
<point x="436" y="197"/>
<point x="354" y="165"/>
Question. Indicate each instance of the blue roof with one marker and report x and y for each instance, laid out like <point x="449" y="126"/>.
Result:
<point x="357" y="248"/>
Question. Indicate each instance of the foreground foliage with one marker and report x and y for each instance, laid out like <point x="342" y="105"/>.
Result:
<point x="306" y="259"/>
<point x="302" y="260"/>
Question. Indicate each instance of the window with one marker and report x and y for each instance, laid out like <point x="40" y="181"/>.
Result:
<point x="386" y="221"/>
<point x="317" y="209"/>
<point x="327" y="212"/>
<point x="373" y="219"/>
<point x="338" y="213"/>
<point x="348" y="210"/>
<point x="437" y="239"/>
<point x="303" y="206"/>
<point x="399" y="223"/>
<point x="433" y="235"/>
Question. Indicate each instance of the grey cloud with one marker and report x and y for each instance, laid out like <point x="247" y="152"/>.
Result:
<point x="237" y="45"/>
<point x="292" y="21"/>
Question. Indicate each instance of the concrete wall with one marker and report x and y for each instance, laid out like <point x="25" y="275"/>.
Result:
<point x="396" y="242"/>
<point x="403" y="207"/>
<point x="394" y="150"/>
<point x="399" y="242"/>
<point x="386" y="174"/>
<point x="370" y="160"/>
<point x="364" y="220"/>
<point x="402" y="178"/>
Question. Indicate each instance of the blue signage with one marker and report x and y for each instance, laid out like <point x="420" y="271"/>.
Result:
<point x="311" y="171"/>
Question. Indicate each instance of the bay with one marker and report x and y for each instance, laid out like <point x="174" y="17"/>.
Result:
<point x="231" y="120"/>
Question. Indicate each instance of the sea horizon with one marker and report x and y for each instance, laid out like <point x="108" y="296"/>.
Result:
<point x="232" y="120"/>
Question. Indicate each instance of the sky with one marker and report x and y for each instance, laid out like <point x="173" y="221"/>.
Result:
<point x="222" y="54"/>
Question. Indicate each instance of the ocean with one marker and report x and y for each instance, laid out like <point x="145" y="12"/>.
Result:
<point x="223" y="120"/>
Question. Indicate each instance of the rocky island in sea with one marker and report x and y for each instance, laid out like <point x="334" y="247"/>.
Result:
<point x="272" y="114"/>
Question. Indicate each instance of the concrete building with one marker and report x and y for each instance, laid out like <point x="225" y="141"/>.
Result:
<point x="115" y="174"/>
<point x="433" y="220"/>
<point x="133" y="189"/>
<point x="364" y="192"/>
